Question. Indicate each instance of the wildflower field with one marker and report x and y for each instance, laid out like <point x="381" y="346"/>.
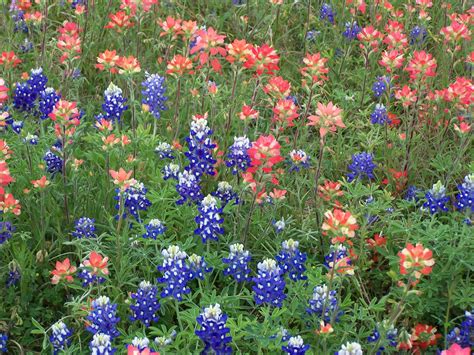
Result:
<point x="236" y="176"/>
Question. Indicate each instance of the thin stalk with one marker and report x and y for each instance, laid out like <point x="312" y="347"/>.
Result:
<point x="176" y="109"/>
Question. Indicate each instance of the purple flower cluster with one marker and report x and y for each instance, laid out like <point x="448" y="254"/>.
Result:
<point x="269" y="284"/>
<point x="214" y="332"/>
<point x="295" y="346"/>
<point x="114" y="104"/>
<point x="60" y="337"/>
<point x="209" y="220"/>
<point x="164" y="151"/>
<point x="146" y="305"/>
<point x="379" y="115"/>
<point x="54" y="164"/>
<point x="154" y="94"/>
<point x="101" y="345"/>
<point x="134" y="200"/>
<point x="188" y="188"/>
<point x="237" y="157"/>
<point x="47" y="100"/>
<point x="237" y="262"/>
<point x="102" y="318"/>
<point x="200" y="150"/>
<point x="225" y="193"/>
<point x="362" y="166"/>
<point x="465" y="197"/>
<point x="464" y="334"/>
<point x="298" y="159"/>
<point x="324" y="304"/>
<point x="6" y="231"/>
<point x="84" y="228"/>
<point x="291" y="260"/>
<point x="381" y="85"/>
<point x="326" y="13"/>
<point x="351" y="31"/>
<point x="154" y="228"/>
<point x="176" y="273"/>
<point x="171" y="171"/>
<point x="436" y="199"/>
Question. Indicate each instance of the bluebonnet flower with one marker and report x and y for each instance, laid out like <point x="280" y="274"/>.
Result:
<point x="17" y="126"/>
<point x="142" y="344"/>
<point x="54" y="164"/>
<point x="209" y="220"/>
<point x="465" y="197"/>
<point x="75" y="3"/>
<point x="146" y="305"/>
<point x="163" y="341"/>
<point x="47" y="100"/>
<point x="295" y="346"/>
<point x="76" y="73"/>
<point x="269" y="284"/>
<point x="362" y="166"/>
<point x="20" y="24"/>
<point x="298" y="159"/>
<point x="380" y="115"/>
<point x="23" y="97"/>
<point x="26" y="46"/>
<point x="238" y="2"/>
<point x="103" y="317"/>
<point x="134" y="200"/>
<point x="291" y="260"/>
<point x="37" y="82"/>
<point x="326" y="13"/>
<point x="176" y="273"/>
<point x="380" y="86"/>
<point x="350" y="349"/>
<point x="237" y="157"/>
<point x="3" y="342"/>
<point x="412" y="193"/>
<point x="114" y="103"/>
<point x="392" y="336"/>
<point x="225" y="193"/>
<point x="200" y="149"/>
<point x="84" y="228"/>
<point x="282" y="333"/>
<point x="351" y="31"/>
<point x="464" y="334"/>
<point x="31" y="139"/>
<point x="372" y="338"/>
<point x="311" y="35"/>
<point x="101" y="345"/>
<point x="338" y="259"/>
<point x="237" y="262"/>
<point x="164" y="151"/>
<point x="324" y="300"/>
<point x="279" y="225"/>
<point x="188" y="188"/>
<point x="6" y="231"/>
<point x="436" y="199"/>
<point x="154" y="94"/>
<point x="213" y="332"/>
<point x="88" y="277"/>
<point x="198" y="266"/>
<point x="418" y="35"/>
<point x="154" y="228"/>
<point x="170" y="171"/>
<point x="14" y="276"/>
<point x="60" y="337"/>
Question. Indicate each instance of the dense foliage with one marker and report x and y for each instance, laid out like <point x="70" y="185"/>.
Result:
<point x="231" y="176"/>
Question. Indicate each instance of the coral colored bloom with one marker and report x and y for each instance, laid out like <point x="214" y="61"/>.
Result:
<point x="40" y="183"/>
<point x="391" y="60"/>
<point x="3" y="92"/>
<point x="330" y="190"/>
<point x="455" y="349"/>
<point x="63" y="270"/>
<point x="285" y="112"/>
<point x="128" y="65"/>
<point x="119" y="21"/>
<point x="315" y="68"/>
<point x="424" y="336"/>
<point x="179" y="66"/>
<point x="265" y="152"/>
<point x="248" y="113"/>
<point x="416" y="260"/>
<point x="370" y="36"/>
<point x="9" y="60"/>
<point x="340" y="224"/>
<point x="8" y="203"/>
<point x="421" y="66"/>
<point x="262" y="59"/>
<point x="328" y="118"/>
<point x="133" y="350"/>
<point x="406" y="96"/>
<point x="121" y="178"/>
<point x="325" y="328"/>
<point x="277" y="87"/>
<point x="170" y="26"/>
<point x="238" y="51"/>
<point x="107" y="61"/>
<point x="97" y="263"/>
<point x="456" y="32"/>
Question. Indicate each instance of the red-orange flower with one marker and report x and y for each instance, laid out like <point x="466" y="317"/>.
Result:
<point x="237" y="51"/>
<point x="63" y="270"/>
<point x="107" y="61"/>
<point x="97" y="264"/>
<point x="3" y="92"/>
<point x="328" y="118"/>
<point x="179" y="65"/>
<point x="424" y="336"/>
<point x="416" y="260"/>
<point x="421" y="65"/>
<point x="41" y="182"/>
<point x="121" y="178"/>
<point x="340" y="224"/>
<point x="315" y="68"/>
<point x="128" y="65"/>
<point x="119" y="21"/>
<point x="262" y="59"/>
<point x="9" y="60"/>
<point x="265" y="152"/>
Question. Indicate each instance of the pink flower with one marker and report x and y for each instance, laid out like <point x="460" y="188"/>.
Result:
<point x="328" y="118"/>
<point x="63" y="270"/>
<point x="456" y="349"/>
